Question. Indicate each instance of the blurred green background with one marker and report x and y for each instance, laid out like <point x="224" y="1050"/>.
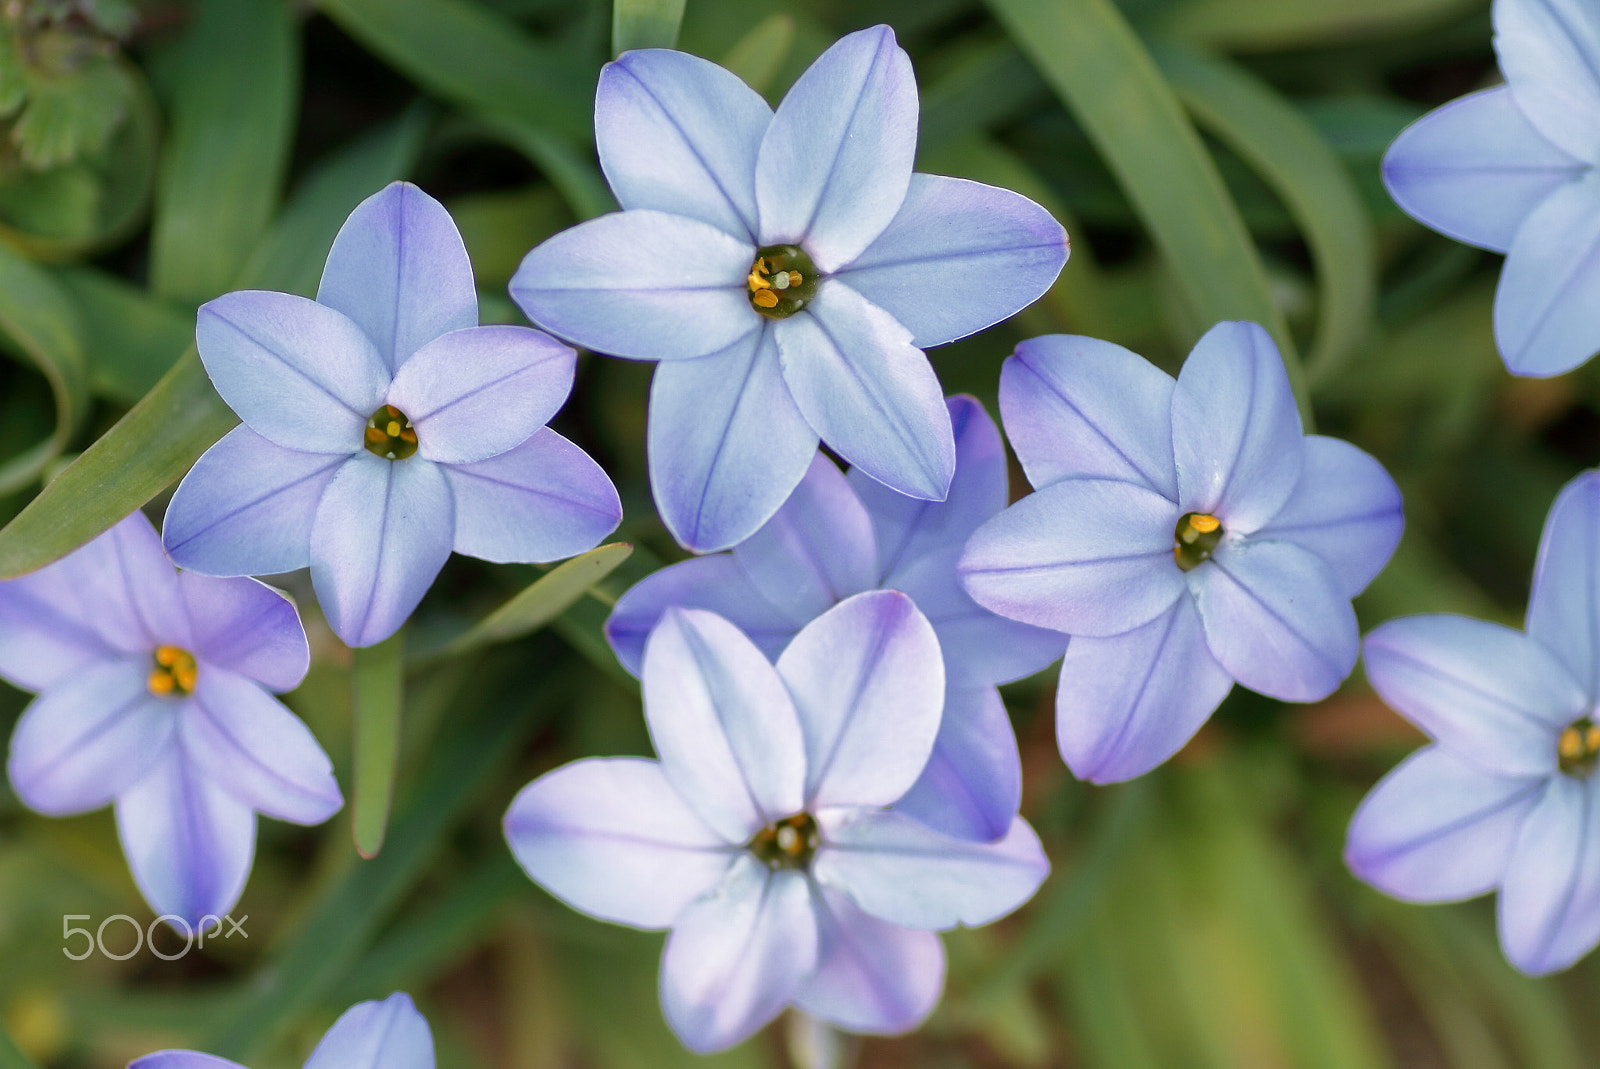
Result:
<point x="1210" y="158"/>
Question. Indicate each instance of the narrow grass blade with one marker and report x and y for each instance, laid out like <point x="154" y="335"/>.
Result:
<point x="39" y="319"/>
<point x="759" y="55"/>
<point x="1102" y="73"/>
<point x="1285" y="149"/>
<point x="484" y="736"/>
<point x="378" y="673"/>
<point x="222" y="168"/>
<point x="644" y="24"/>
<point x="468" y="54"/>
<point x="543" y="600"/>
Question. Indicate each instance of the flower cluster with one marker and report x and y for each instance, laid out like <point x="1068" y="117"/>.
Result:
<point x="836" y="777"/>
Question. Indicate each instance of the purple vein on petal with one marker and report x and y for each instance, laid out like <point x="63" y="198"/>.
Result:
<point x="320" y="388"/>
<point x="703" y="656"/>
<point x="1315" y="649"/>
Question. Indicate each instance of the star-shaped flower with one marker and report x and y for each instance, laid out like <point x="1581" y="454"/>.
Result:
<point x="840" y="535"/>
<point x="154" y="694"/>
<point x="1513" y="170"/>
<point x="1506" y="797"/>
<point x="786" y="269"/>
<point x="760" y="836"/>
<point x="369" y="1035"/>
<point x="1185" y="533"/>
<point x="383" y="428"/>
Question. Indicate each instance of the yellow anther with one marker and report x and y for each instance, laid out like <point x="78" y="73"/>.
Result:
<point x="1578" y="747"/>
<point x="758" y="275"/>
<point x="765" y="298"/>
<point x="176" y="672"/>
<point x="375" y="436"/>
<point x="1204" y="522"/>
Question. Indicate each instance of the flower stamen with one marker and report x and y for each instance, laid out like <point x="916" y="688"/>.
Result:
<point x="1578" y="748"/>
<point x="1196" y="535"/>
<point x="175" y="672"/>
<point x="787" y="844"/>
<point x="389" y="434"/>
<point x="782" y="281"/>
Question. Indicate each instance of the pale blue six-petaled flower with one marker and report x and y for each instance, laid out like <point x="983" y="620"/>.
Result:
<point x="839" y="535"/>
<point x="383" y="428"/>
<point x="1185" y="533"/>
<point x="369" y="1035"/>
<point x="1506" y="796"/>
<point x="760" y="836"/>
<point x="1514" y="169"/>
<point x="786" y="269"/>
<point x="154" y="693"/>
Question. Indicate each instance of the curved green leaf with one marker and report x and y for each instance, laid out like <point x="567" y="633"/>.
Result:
<point x="1091" y="57"/>
<point x="39" y="320"/>
<point x="147" y="449"/>
<point x="1283" y="146"/>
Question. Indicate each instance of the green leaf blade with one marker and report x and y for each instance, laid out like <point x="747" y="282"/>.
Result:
<point x="543" y="600"/>
<point x="1097" y="66"/>
<point x="644" y="24"/>
<point x="1286" y="149"/>
<point x="378" y="674"/>
<point x="225" y="158"/>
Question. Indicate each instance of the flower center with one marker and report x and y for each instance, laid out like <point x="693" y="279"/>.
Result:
<point x="788" y="844"/>
<point x="389" y="434"/>
<point x="782" y="281"/>
<point x="1196" y="535"/>
<point x="174" y="673"/>
<point x="1578" y="748"/>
